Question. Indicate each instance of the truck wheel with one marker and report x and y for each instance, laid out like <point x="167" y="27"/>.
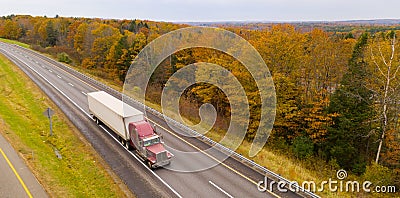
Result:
<point x="128" y="145"/>
<point x="149" y="165"/>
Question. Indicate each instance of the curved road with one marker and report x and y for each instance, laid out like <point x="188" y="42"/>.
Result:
<point x="228" y="179"/>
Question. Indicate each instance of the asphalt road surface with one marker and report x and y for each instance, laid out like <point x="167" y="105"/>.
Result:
<point x="230" y="178"/>
<point x="16" y="180"/>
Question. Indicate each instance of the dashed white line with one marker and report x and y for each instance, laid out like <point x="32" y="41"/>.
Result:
<point x="71" y="84"/>
<point x="87" y="114"/>
<point x="220" y="189"/>
<point x="84" y="93"/>
<point x="50" y="71"/>
<point x="59" y="76"/>
<point x="65" y="95"/>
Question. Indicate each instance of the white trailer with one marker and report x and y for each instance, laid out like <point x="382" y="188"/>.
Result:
<point x="130" y="125"/>
<point x="113" y="112"/>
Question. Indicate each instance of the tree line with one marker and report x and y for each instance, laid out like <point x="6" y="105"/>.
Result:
<point x="338" y="93"/>
<point x="108" y="46"/>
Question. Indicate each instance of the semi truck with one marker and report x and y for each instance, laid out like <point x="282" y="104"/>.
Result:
<point x="131" y="127"/>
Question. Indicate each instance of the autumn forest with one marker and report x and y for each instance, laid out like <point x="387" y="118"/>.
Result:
<point x="338" y="91"/>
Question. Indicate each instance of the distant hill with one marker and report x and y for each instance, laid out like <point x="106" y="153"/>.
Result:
<point x="349" y="22"/>
<point x="373" y="21"/>
<point x="373" y="25"/>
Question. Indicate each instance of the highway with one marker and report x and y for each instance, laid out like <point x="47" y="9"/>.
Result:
<point x="230" y="178"/>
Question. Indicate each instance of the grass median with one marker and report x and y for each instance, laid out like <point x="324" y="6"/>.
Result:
<point x="80" y="172"/>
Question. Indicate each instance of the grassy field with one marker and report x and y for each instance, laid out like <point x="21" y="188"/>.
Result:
<point x="80" y="172"/>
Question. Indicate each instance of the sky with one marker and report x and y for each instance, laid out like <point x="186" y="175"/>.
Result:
<point x="208" y="10"/>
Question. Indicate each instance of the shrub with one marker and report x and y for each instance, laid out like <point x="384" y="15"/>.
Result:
<point x="63" y="57"/>
<point x="303" y="147"/>
<point x="379" y="175"/>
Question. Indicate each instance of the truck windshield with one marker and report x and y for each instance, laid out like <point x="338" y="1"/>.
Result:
<point x="151" y="141"/>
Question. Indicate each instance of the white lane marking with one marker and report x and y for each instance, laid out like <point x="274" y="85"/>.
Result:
<point x="84" y="93"/>
<point x="59" y="76"/>
<point x="220" y="189"/>
<point x="87" y="114"/>
<point x="50" y="71"/>
<point x="65" y="95"/>
<point x="71" y="84"/>
<point x="45" y="60"/>
<point x="212" y="157"/>
<point x="155" y="175"/>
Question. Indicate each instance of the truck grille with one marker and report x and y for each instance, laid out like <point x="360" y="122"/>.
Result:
<point x="162" y="156"/>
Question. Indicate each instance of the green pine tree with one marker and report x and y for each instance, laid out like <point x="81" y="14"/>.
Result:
<point x="52" y="34"/>
<point x="347" y="139"/>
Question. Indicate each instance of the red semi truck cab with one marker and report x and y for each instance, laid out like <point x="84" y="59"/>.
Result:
<point x="131" y="126"/>
<point x="148" y="144"/>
